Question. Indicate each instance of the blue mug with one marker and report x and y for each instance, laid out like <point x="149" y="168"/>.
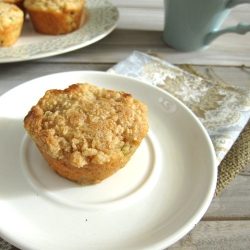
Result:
<point x="191" y="25"/>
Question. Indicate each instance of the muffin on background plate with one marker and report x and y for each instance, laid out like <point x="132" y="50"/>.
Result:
<point x="55" y="17"/>
<point x="11" y="23"/>
<point x="86" y="133"/>
<point x="18" y="3"/>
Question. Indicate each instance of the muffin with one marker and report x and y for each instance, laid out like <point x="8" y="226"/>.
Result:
<point x="11" y="23"/>
<point x="18" y="3"/>
<point x="87" y="133"/>
<point x="55" y="17"/>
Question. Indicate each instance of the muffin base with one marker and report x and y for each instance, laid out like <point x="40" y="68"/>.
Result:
<point x="51" y="23"/>
<point x="88" y="174"/>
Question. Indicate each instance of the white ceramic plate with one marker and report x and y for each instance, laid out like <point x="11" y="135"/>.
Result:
<point x="151" y="203"/>
<point x="103" y="18"/>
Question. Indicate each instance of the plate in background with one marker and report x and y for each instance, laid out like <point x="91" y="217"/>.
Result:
<point x="103" y="18"/>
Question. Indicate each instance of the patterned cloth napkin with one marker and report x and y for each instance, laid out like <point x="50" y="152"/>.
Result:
<point x="223" y="109"/>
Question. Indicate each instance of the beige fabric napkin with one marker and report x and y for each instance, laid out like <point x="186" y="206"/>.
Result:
<point x="223" y="110"/>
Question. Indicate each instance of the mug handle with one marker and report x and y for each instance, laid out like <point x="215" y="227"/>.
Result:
<point x="242" y="28"/>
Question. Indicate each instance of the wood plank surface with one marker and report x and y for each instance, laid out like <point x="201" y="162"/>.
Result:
<point x="150" y="15"/>
<point x="226" y="224"/>
<point x="229" y="49"/>
<point x="14" y="74"/>
<point x="121" y="43"/>
<point x="139" y="3"/>
<point x="234" y="201"/>
<point x="115" y="53"/>
<point x="216" y="235"/>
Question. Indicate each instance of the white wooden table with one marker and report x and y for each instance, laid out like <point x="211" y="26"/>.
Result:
<point x="226" y="224"/>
